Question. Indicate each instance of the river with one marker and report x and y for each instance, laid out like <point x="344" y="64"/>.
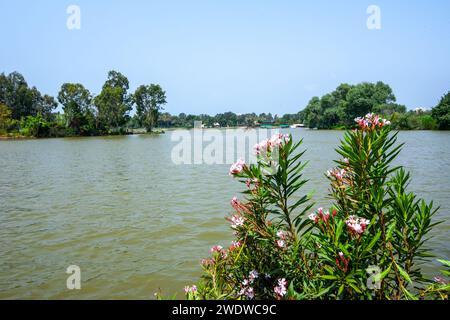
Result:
<point x="134" y="221"/>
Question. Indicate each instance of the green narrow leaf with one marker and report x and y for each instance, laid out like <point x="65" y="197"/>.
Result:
<point x="390" y="231"/>
<point x="341" y="289"/>
<point x="354" y="287"/>
<point x="403" y="273"/>
<point x="444" y="262"/>
<point x="374" y="240"/>
<point x="329" y="277"/>
<point x="321" y="293"/>
<point x="383" y="274"/>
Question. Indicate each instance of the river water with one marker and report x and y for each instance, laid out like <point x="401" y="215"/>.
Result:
<point x="135" y="221"/>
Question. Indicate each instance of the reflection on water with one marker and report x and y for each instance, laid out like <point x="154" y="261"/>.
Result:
<point x="134" y="221"/>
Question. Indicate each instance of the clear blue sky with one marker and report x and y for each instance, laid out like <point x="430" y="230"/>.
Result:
<point x="232" y="55"/>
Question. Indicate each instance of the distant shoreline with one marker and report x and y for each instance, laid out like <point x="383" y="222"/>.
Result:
<point x="21" y="138"/>
<point x="16" y="138"/>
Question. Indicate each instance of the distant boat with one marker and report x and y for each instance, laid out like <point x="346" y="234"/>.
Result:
<point x="297" y="125"/>
<point x="284" y="126"/>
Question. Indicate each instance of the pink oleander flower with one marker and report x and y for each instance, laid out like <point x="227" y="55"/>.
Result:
<point x="281" y="243"/>
<point x="246" y="289"/>
<point x="235" y="245"/>
<point x="281" y="288"/>
<point x="279" y="139"/>
<point x="340" y="174"/>
<point x="267" y="145"/>
<point x="371" y="121"/>
<point x="334" y="212"/>
<point x="250" y="293"/>
<point x="342" y="262"/>
<point x="257" y="149"/>
<point x="362" y="123"/>
<point x="192" y="289"/>
<point x="440" y="280"/>
<point x="237" y="168"/>
<point x="237" y="221"/>
<point x="253" y="275"/>
<point x="216" y="249"/>
<point x="337" y="173"/>
<point x="220" y="250"/>
<point x="207" y="262"/>
<point x="249" y="182"/>
<point x="323" y="215"/>
<point x="356" y="225"/>
<point x="263" y="146"/>
<point x="282" y="234"/>
<point x="235" y="203"/>
<point x="313" y="217"/>
<point x="276" y="140"/>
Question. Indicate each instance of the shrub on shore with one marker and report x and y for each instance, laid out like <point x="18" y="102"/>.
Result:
<point x="368" y="245"/>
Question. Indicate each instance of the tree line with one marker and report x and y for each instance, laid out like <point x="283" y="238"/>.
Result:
<point x="25" y="111"/>
<point x="339" y="108"/>
<point x="335" y="110"/>
<point x="227" y="119"/>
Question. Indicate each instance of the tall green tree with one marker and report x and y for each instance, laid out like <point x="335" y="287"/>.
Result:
<point x="313" y="113"/>
<point x="42" y="105"/>
<point x="16" y="94"/>
<point x="364" y="97"/>
<point x="442" y="112"/>
<point x="113" y="103"/>
<point x="165" y="120"/>
<point x="149" y="101"/>
<point x="347" y="102"/>
<point x="77" y="106"/>
<point x="22" y="100"/>
<point x="5" y="118"/>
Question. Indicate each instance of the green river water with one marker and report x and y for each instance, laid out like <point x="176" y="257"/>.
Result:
<point x="134" y="221"/>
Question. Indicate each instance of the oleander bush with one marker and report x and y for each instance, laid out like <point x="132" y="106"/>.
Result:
<point x="369" y="244"/>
